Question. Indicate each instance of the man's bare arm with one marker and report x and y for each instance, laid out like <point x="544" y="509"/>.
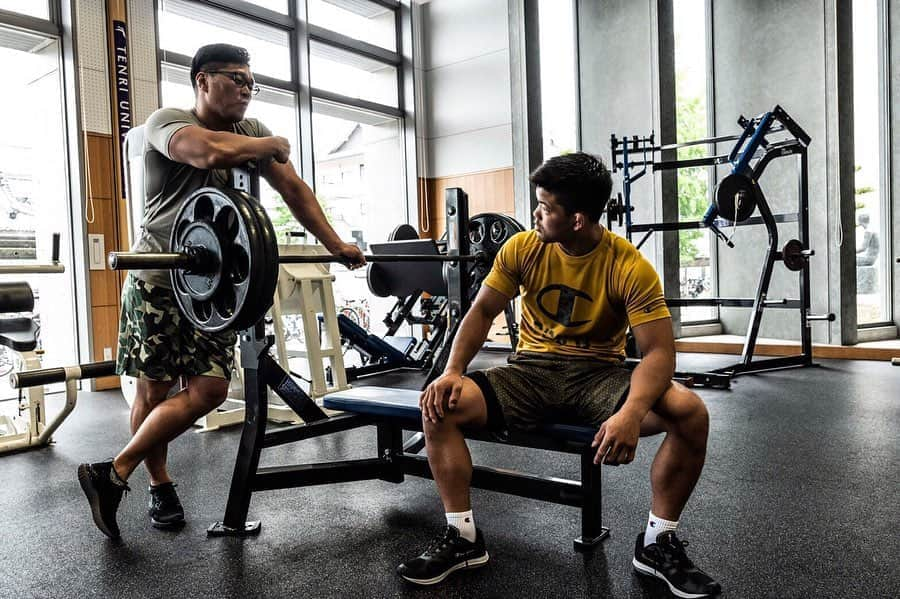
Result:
<point x="618" y="436"/>
<point x="206" y="149"/>
<point x="474" y="328"/>
<point x="654" y="373"/>
<point x="302" y="203"/>
<point x="444" y="392"/>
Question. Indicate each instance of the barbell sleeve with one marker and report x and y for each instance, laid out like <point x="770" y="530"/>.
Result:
<point x="151" y="261"/>
<point x="47" y="376"/>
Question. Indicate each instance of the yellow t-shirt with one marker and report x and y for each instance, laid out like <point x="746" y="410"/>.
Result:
<point x="578" y="305"/>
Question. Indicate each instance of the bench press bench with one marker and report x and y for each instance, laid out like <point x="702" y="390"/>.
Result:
<point x="398" y="409"/>
<point x="393" y="411"/>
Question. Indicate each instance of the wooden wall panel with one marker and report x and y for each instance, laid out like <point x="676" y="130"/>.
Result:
<point x="103" y="212"/>
<point x="106" y="332"/>
<point x="99" y="166"/>
<point x="489" y="191"/>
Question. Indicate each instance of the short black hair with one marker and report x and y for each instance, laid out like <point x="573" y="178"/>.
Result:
<point x="217" y="54"/>
<point x="579" y="181"/>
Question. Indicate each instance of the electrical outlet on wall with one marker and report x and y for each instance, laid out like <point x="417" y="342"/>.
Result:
<point x="107" y="353"/>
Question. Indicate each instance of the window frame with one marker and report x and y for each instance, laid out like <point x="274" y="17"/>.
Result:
<point x="301" y="32"/>
<point x="60" y="25"/>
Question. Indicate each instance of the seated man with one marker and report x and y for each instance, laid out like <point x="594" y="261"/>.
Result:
<point x="187" y="150"/>
<point x="581" y="285"/>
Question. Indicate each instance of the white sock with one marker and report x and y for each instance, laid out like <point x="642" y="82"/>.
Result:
<point x="464" y="522"/>
<point x="657" y="526"/>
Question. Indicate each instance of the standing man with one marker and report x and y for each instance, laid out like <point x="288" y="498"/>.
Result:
<point x="581" y="287"/>
<point x="186" y="150"/>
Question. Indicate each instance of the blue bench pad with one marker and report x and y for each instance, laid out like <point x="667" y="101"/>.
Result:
<point x="403" y="404"/>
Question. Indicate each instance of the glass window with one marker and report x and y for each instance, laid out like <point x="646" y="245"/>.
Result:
<point x="872" y="282"/>
<point x="273" y="5"/>
<point x="275" y="108"/>
<point x="359" y="19"/>
<point x="360" y="184"/>
<point x="350" y="74"/>
<point x="186" y="26"/>
<point x="34" y="198"/>
<point x="27" y="7"/>
<point x="695" y="272"/>
<point x="559" y="108"/>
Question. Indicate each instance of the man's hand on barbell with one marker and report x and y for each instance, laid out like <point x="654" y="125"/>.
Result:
<point x="352" y="253"/>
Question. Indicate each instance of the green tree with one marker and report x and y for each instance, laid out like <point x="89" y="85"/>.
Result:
<point x="693" y="184"/>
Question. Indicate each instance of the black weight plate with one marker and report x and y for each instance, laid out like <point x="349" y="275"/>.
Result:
<point x="217" y="210"/>
<point x="240" y="253"/>
<point x="377" y="280"/>
<point x="488" y="232"/>
<point x="269" y="263"/>
<point x="792" y="255"/>
<point x="737" y="197"/>
<point x="201" y="234"/>
<point x="254" y="303"/>
<point x="403" y="233"/>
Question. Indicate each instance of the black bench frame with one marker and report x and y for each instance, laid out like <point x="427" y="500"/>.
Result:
<point x="394" y="459"/>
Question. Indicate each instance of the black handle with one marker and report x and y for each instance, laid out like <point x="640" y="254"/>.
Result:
<point x="46" y="376"/>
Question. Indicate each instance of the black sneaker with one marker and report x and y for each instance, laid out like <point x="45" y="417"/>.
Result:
<point x="446" y="554"/>
<point x="165" y="507"/>
<point x="665" y="559"/>
<point x="103" y="494"/>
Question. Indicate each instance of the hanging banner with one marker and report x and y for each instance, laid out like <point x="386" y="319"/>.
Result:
<point x="123" y="88"/>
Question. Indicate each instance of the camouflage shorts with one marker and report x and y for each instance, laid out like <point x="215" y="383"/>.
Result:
<point x="535" y="388"/>
<point x="156" y="343"/>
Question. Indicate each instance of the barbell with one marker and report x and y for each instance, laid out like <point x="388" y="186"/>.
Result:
<point x="223" y="257"/>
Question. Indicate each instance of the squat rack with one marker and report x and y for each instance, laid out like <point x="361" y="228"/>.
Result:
<point x="749" y="157"/>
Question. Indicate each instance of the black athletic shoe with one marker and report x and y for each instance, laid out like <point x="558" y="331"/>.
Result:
<point x="446" y="554"/>
<point x="165" y="507"/>
<point x="103" y="494"/>
<point x="665" y="559"/>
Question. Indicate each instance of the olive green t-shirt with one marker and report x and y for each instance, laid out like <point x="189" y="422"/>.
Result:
<point x="167" y="183"/>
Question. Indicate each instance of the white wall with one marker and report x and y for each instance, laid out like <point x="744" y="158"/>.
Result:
<point x="465" y="75"/>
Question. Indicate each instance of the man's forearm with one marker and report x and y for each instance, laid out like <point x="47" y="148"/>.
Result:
<point x="649" y="381"/>
<point x="229" y="149"/>
<point x="473" y="330"/>
<point x="306" y="209"/>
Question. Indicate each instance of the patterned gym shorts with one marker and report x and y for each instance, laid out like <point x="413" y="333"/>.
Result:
<point x="157" y="343"/>
<point x="536" y="388"/>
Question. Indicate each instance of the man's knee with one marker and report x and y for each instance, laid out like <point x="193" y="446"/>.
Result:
<point x="150" y="394"/>
<point x="685" y="413"/>
<point x="694" y="422"/>
<point x="470" y="411"/>
<point x="207" y="393"/>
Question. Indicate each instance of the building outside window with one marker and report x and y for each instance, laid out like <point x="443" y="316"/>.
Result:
<point x="559" y="69"/>
<point x="871" y="236"/>
<point x="34" y="187"/>
<point x="691" y="72"/>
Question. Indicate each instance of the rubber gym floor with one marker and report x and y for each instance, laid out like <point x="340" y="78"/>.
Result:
<point x="799" y="498"/>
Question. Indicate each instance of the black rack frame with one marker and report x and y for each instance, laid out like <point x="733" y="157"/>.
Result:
<point x="750" y="158"/>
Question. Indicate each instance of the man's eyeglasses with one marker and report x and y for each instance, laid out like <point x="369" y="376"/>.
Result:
<point x="238" y="79"/>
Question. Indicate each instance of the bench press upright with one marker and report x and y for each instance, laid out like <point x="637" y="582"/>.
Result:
<point x="391" y="411"/>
